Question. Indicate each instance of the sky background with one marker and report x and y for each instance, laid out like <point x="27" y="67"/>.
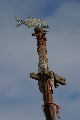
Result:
<point x="20" y="98"/>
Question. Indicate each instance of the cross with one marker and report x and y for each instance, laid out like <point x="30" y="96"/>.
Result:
<point x="47" y="79"/>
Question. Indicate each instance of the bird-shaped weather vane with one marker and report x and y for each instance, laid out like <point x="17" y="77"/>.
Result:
<point x="47" y="79"/>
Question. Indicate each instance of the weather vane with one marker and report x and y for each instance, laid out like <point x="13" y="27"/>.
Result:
<point x="47" y="79"/>
<point x="32" y="22"/>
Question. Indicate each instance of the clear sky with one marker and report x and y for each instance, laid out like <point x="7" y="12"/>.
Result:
<point x="20" y="98"/>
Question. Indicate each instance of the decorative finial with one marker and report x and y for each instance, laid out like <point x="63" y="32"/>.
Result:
<point x="32" y="22"/>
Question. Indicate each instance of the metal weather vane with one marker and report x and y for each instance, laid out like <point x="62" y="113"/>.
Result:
<point x="32" y="22"/>
<point x="47" y="79"/>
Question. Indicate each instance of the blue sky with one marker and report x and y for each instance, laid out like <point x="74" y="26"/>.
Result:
<point x="20" y="98"/>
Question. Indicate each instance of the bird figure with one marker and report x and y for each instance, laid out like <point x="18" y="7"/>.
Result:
<point x="32" y="22"/>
